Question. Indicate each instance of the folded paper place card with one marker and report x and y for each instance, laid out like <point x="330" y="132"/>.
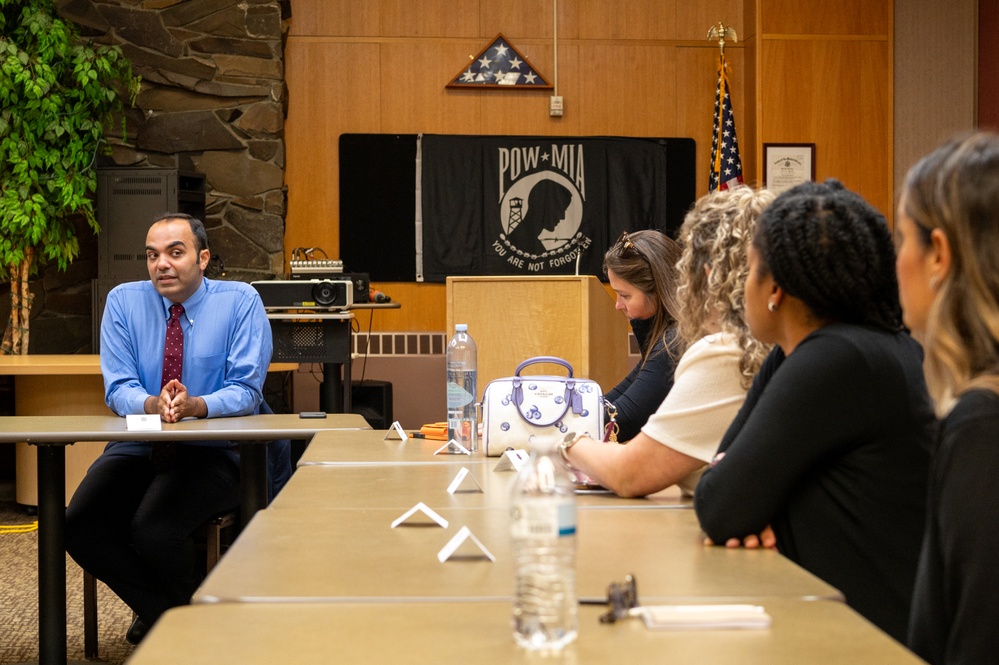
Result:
<point x="452" y="447"/>
<point x="425" y="511"/>
<point x="464" y="533"/>
<point x="395" y="433"/>
<point x="687" y="617"/>
<point x="143" y="422"/>
<point x="464" y="481"/>
<point x="512" y="460"/>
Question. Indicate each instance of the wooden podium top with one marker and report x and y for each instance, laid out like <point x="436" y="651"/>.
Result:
<point x="515" y="318"/>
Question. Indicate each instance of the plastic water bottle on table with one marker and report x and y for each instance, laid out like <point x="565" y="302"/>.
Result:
<point x="461" y="360"/>
<point x="543" y="539"/>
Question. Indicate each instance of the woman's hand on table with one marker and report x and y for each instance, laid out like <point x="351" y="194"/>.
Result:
<point x="765" y="539"/>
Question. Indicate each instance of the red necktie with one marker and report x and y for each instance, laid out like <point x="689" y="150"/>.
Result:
<point x="164" y="452"/>
<point x="173" y="348"/>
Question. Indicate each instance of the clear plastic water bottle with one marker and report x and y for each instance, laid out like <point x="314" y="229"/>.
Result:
<point x="543" y="538"/>
<point x="461" y="360"/>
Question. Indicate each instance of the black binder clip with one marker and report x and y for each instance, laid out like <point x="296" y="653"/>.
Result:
<point x="622" y="597"/>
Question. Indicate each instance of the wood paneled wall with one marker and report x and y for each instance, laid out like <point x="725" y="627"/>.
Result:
<point x="803" y="71"/>
<point x="988" y="65"/>
<point x="824" y="76"/>
<point x="935" y="77"/>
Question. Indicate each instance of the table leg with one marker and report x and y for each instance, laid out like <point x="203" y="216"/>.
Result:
<point x="51" y="554"/>
<point x="253" y="479"/>
<point x="334" y="393"/>
<point x="332" y="397"/>
<point x="347" y="388"/>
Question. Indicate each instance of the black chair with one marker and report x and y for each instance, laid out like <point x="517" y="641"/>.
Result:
<point x="214" y="530"/>
<point x="279" y="470"/>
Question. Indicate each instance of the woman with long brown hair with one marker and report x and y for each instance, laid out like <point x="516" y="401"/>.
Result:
<point x="641" y="269"/>
<point x="948" y="274"/>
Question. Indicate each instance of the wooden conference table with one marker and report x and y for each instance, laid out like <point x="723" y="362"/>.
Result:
<point x="322" y="574"/>
<point x="352" y="554"/>
<point x="51" y="435"/>
<point x="335" y="516"/>
<point x="373" y="448"/>
<point x="437" y="632"/>
<point x="376" y="483"/>
<point x="336" y="449"/>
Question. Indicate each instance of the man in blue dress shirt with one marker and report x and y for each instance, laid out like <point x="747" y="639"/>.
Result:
<point x="131" y="520"/>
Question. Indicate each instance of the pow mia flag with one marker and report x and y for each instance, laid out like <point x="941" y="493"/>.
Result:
<point x="529" y="205"/>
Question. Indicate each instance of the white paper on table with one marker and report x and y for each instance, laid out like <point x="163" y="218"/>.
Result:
<point x="420" y="508"/>
<point x="512" y="460"/>
<point x="452" y="447"/>
<point x="464" y="533"/>
<point x="143" y="422"/>
<point x="686" y="617"/>
<point x="461" y="477"/>
<point x="395" y="429"/>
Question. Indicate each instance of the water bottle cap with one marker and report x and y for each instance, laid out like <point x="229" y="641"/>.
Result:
<point x="461" y="327"/>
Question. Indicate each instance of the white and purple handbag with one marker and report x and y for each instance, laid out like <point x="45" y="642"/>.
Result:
<point x="518" y="407"/>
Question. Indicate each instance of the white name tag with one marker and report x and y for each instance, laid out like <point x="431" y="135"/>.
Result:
<point x="464" y="481"/>
<point x="512" y="460"/>
<point x="143" y="422"/>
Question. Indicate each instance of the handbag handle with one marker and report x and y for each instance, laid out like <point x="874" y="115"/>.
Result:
<point x="544" y="359"/>
<point x="571" y="398"/>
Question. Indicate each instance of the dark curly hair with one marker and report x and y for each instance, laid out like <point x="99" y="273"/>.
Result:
<point x="828" y="247"/>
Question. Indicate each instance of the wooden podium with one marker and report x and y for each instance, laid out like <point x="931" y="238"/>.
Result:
<point x="512" y="319"/>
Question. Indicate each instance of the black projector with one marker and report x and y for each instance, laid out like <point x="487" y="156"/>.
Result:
<point x="317" y="294"/>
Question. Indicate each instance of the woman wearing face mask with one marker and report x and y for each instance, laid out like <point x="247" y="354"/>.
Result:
<point x="948" y="275"/>
<point x="641" y="268"/>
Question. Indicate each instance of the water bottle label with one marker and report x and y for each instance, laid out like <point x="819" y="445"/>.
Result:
<point x="457" y="396"/>
<point x="543" y="520"/>
<point x="460" y="430"/>
<point x="566" y="519"/>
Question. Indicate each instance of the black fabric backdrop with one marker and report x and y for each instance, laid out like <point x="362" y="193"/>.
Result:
<point x="496" y="205"/>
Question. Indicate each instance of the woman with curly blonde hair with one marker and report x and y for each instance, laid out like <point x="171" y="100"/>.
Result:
<point x="714" y="267"/>
<point x="832" y="446"/>
<point x="718" y="361"/>
<point x="948" y="274"/>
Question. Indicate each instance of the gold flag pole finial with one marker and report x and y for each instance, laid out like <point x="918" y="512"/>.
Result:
<point x="720" y="33"/>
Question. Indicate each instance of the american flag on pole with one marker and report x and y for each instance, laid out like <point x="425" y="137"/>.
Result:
<point x="726" y="166"/>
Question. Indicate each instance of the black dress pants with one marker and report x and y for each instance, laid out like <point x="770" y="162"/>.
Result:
<point x="131" y="526"/>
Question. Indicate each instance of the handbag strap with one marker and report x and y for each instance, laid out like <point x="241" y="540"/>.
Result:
<point x="572" y="399"/>
<point x="544" y="359"/>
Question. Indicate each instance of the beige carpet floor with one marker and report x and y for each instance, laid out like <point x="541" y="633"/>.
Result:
<point x="19" y="598"/>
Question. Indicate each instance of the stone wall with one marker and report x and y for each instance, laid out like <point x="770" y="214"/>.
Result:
<point x="212" y="100"/>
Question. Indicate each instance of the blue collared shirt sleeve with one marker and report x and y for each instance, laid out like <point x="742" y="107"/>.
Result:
<point x="122" y="345"/>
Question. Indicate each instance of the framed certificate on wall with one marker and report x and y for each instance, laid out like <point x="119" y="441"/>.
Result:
<point x="787" y="164"/>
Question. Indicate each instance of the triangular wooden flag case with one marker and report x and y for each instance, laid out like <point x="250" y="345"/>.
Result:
<point x="500" y="65"/>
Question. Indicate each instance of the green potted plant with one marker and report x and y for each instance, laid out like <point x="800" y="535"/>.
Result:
<point x="58" y="96"/>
